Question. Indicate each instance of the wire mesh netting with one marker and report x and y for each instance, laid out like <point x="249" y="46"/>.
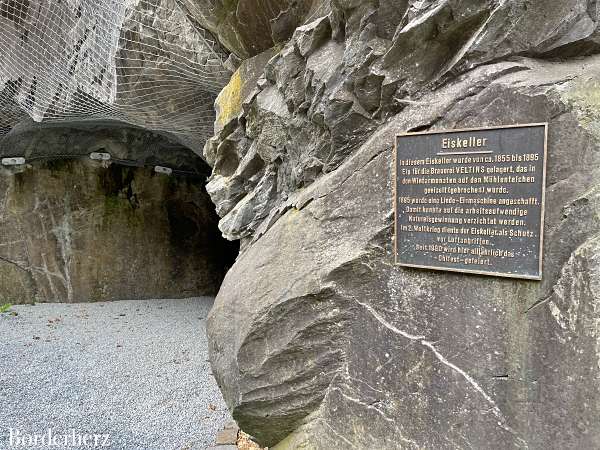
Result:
<point x="141" y="62"/>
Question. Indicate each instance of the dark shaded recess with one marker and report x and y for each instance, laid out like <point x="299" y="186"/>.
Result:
<point x="195" y="241"/>
<point x="193" y="221"/>
<point x="196" y="229"/>
<point x="54" y="165"/>
<point x="257" y="33"/>
<point x="228" y="161"/>
<point x="579" y="49"/>
<point x="287" y="20"/>
<point x="117" y="180"/>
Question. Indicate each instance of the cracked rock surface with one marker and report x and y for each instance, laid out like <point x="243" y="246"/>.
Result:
<point x="142" y="63"/>
<point x="248" y="27"/>
<point x="328" y="344"/>
<point x="75" y="230"/>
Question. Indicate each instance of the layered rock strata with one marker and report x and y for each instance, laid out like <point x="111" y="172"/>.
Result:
<point x="317" y="339"/>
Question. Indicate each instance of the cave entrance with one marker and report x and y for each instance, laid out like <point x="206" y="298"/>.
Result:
<point x="132" y="222"/>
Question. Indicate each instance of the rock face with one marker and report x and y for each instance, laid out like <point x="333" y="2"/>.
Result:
<point x="77" y="231"/>
<point x="317" y="339"/>
<point x="142" y="63"/>
<point x="126" y="145"/>
<point x="249" y="27"/>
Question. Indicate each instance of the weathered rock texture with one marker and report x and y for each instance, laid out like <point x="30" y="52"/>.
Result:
<point x="144" y="63"/>
<point x="249" y="27"/>
<point x="317" y="339"/>
<point x="128" y="145"/>
<point x="72" y="230"/>
<point x="157" y="64"/>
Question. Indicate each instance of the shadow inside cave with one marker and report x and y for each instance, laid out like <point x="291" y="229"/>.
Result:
<point x="76" y="229"/>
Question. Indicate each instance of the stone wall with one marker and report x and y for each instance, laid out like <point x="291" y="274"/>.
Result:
<point x="73" y="230"/>
<point x="317" y="339"/>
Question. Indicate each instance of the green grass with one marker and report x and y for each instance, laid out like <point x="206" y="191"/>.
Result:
<point x="5" y="308"/>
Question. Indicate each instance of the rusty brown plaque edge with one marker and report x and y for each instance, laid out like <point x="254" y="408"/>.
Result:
<point x="543" y="201"/>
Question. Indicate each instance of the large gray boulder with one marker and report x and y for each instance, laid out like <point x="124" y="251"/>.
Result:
<point x="317" y="339"/>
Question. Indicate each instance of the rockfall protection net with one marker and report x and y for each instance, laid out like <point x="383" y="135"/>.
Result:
<point x="141" y="62"/>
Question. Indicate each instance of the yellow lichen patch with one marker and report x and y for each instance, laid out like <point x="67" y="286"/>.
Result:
<point x="229" y="101"/>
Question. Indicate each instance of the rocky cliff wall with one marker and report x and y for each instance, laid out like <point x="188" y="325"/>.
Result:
<point x="156" y="64"/>
<point x="71" y="75"/>
<point x="75" y="230"/>
<point x="317" y="339"/>
<point x="144" y="63"/>
<point x="249" y="27"/>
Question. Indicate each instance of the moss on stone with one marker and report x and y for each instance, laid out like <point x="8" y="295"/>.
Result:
<point x="229" y="102"/>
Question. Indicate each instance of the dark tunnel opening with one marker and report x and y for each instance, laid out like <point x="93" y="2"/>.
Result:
<point x="138" y="225"/>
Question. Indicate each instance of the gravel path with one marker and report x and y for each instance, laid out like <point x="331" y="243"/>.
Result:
<point x="136" y="370"/>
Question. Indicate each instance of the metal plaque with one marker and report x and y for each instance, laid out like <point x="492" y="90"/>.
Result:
<point x="472" y="200"/>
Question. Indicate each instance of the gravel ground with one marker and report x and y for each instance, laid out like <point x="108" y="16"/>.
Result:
<point x="136" y="370"/>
